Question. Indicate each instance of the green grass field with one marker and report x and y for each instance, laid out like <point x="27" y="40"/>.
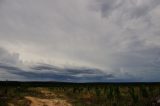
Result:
<point x="91" y="94"/>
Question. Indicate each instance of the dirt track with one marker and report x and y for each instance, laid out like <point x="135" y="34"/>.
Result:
<point x="47" y="102"/>
<point x="54" y="101"/>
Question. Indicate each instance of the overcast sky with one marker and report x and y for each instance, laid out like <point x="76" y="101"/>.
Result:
<point x="115" y="40"/>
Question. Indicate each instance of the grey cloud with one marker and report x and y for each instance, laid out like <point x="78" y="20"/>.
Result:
<point x="142" y="57"/>
<point x="72" y="71"/>
<point x="9" y="68"/>
<point x="55" y="74"/>
<point x="74" y="74"/>
<point x="8" y="65"/>
<point x="120" y="37"/>
<point x="129" y="8"/>
<point x="106" y="6"/>
<point x="8" y="58"/>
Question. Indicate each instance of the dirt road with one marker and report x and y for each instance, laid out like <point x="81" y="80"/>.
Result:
<point x="47" y="102"/>
<point x="53" y="101"/>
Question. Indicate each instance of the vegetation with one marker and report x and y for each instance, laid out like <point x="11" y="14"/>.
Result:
<point x="89" y="94"/>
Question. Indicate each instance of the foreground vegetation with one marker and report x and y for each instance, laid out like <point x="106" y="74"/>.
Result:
<point x="91" y="94"/>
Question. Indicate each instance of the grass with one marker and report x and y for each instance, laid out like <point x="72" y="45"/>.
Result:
<point x="89" y="94"/>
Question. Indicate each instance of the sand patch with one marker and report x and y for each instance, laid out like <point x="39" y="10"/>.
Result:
<point x="47" y="102"/>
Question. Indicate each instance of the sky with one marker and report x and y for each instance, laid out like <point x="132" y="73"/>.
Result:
<point x="80" y="40"/>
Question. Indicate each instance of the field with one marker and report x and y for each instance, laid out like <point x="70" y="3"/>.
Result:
<point x="79" y="94"/>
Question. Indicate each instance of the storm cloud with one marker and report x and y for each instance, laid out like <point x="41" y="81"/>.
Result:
<point x="119" y="38"/>
<point x="46" y="72"/>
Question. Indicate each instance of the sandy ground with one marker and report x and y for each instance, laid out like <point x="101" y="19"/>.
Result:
<point x="47" y="102"/>
<point x="54" y="101"/>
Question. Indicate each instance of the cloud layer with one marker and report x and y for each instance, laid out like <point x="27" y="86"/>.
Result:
<point x="120" y="38"/>
<point x="46" y="72"/>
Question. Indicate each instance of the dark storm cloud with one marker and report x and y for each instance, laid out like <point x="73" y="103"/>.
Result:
<point x="9" y="64"/>
<point x="128" y="8"/>
<point x="57" y="74"/>
<point x="117" y="37"/>
<point x="72" y="71"/>
<point x="9" y="68"/>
